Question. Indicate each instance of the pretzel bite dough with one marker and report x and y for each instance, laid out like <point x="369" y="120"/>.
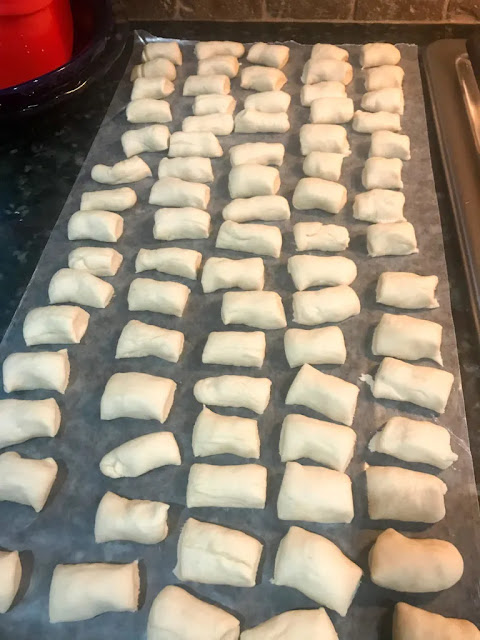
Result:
<point x="133" y="169"/>
<point x="148" y="110"/>
<point x="325" y="237"/>
<point x="168" y="50"/>
<point x="222" y="273"/>
<point x="251" y="121"/>
<point x="140" y="455"/>
<point x="25" y="480"/>
<point x="407" y="290"/>
<point x="319" y="164"/>
<point x="387" y="144"/>
<point x="332" y="304"/>
<point x="214" y="434"/>
<point x="331" y="138"/>
<point x="322" y="69"/>
<point x="171" y="260"/>
<point x="407" y="338"/>
<point x="315" y="193"/>
<point x="173" y="192"/>
<point x="198" y="85"/>
<point x="250" y="238"/>
<point x="375" y="54"/>
<point x="315" y="346"/>
<point x="332" y="89"/>
<point x="291" y="625"/>
<point x="63" y="324"/>
<point x="11" y="572"/>
<point x="237" y="348"/>
<point x="268" y="101"/>
<point x="108" y="200"/>
<point x="382" y="173"/>
<point x="154" y="69"/>
<point x="156" y="88"/>
<point x="186" y="223"/>
<point x="257" y="208"/>
<point x="218" y="65"/>
<point x="139" y="340"/>
<point x="384" y="77"/>
<point x="202" y="144"/>
<point x="210" y="48"/>
<point x="259" y="309"/>
<point x="253" y="180"/>
<point x="411" y="623"/>
<point x="236" y="486"/>
<point x="386" y="100"/>
<point x="257" y="153"/>
<point x="221" y="124"/>
<point x="104" y="226"/>
<point x="22" y="420"/>
<point x="100" y="261"/>
<point x="379" y="205"/>
<point x="262" y="78"/>
<point x="366" y="122"/>
<point x="146" y="294"/>
<point x="328" y="51"/>
<point x="391" y="239"/>
<point x="270" y="55"/>
<point x="311" y="271"/>
<point x="331" y="110"/>
<point x="213" y="103"/>
<point x="192" y="169"/>
<point x="36" y="370"/>
<point x="79" y="287"/>
<point x="234" y="391"/>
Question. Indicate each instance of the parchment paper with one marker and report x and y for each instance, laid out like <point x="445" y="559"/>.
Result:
<point x="63" y="531"/>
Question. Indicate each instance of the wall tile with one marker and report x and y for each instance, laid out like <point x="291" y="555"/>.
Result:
<point x="150" y="9"/>
<point x="310" y="9"/>
<point x="407" y="10"/>
<point x="221" y="9"/>
<point x="464" y="10"/>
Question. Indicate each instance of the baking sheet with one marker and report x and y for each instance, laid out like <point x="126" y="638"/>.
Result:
<point x="63" y="531"/>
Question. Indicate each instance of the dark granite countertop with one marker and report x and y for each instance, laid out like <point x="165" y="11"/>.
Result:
<point x="41" y="156"/>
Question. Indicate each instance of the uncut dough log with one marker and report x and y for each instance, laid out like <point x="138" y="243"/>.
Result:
<point x="168" y="50"/>
<point x="259" y="309"/>
<point x="104" y="226"/>
<point x="234" y="391"/>
<point x="328" y="51"/>
<point x="411" y="623"/>
<point x="329" y="444"/>
<point x="154" y="69"/>
<point x="407" y="290"/>
<point x="323" y="69"/>
<point x="366" y="122"/>
<point x="391" y="239"/>
<point x="198" y="85"/>
<point x="250" y="238"/>
<point x="382" y="173"/>
<point x="137" y="395"/>
<point x="315" y="193"/>
<point x="311" y="271"/>
<point x="257" y="153"/>
<point x="315" y="346"/>
<point x="317" y="568"/>
<point x="25" y="480"/>
<point x="320" y="164"/>
<point x="133" y="169"/>
<point x="83" y="591"/>
<point x="261" y="78"/>
<point x="268" y="101"/>
<point x="251" y="121"/>
<point x="11" y="572"/>
<point x="146" y="110"/>
<point x="269" y="55"/>
<point x="156" y="88"/>
<point x="203" y="144"/>
<point x="407" y="338"/>
<point x="139" y="340"/>
<point x="213" y="103"/>
<point x="214" y="434"/>
<point x="22" y="420"/>
<point x="424" y="386"/>
<point x="175" y="613"/>
<point x="142" y="521"/>
<point x="79" y="287"/>
<point x="414" y="441"/>
<point x="193" y="169"/>
<point x="38" y="370"/>
<point x="223" y="273"/>
<point x="332" y="304"/>
<point x="257" y="208"/>
<point x="327" y="89"/>
<point x="173" y="192"/>
<point x="331" y="110"/>
<point x="332" y="396"/>
<point x="210" y="48"/>
<point x="241" y="486"/>
<point x="218" y="65"/>
<point x="212" y="554"/>
<point x="108" y="200"/>
<point x="63" y="324"/>
<point x="414" y="565"/>
<point x="384" y="77"/>
<point x="140" y="455"/>
<point x="100" y="261"/>
<point x="387" y="144"/>
<point x="301" y="623"/>
<point x="236" y="348"/>
<point x="221" y="124"/>
<point x="379" y="205"/>
<point x="331" y="138"/>
<point x="253" y="180"/>
<point x="146" y="294"/>
<point x="325" y="237"/>
<point x="386" y="100"/>
<point x="400" y="494"/>
<point x="171" y="260"/>
<point x="185" y="223"/>
<point x="375" y="54"/>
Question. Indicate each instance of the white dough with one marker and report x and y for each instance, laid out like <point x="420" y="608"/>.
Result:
<point x="168" y="50"/>
<point x="331" y="138"/>
<point x="214" y="434"/>
<point x="407" y="290"/>
<point x="173" y="192"/>
<point x="391" y="239"/>
<point x="384" y="77"/>
<point x="159" y="296"/>
<point x="213" y="103"/>
<point x="257" y="153"/>
<point x="83" y="591"/>
<point x="387" y="144"/>
<point x="291" y="625"/>
<point x="137" y="395"/>
<point x="312" y="271"/>
<point x="203" y="144"/>
<point x="148" y="110"/>
<point x="222" y="273"/>
<point x="261" y="78"/>
<point x="108" y="200"/>
<point x="212" y="554"/>
<point x="198" y="85"/>
<point x="257" y="208"/>
<point x="315" y="494"/>
<point x="320" y="164"/>
<point x="237" y="348"/>
<point x="332" y="396"/>
<point x="268" y="101"/>
<point x="210" y="48"/>
<point x="235" y="486"/>
<point x="25" y="480"/>
<point x="234" y="391"/>
<point x="63" y="324"/>
<point x="133" y="169"/>
<point x="270" y="55"/>
<point x="193" y="169"/>
<point x="253" y="180"/>
<point x="329" y="51"/>
<point x="186" y="223"/>
<point x="104" y="226"/>
<point x="382" y="173"/>
<point x="407" y="338"/>
<point x="366" y="122"/>
<point x="79" y="287"/>
<point x="140" y="455"/>
<point x="251" y="121"/>
<point x="22" y="420"/>
<point x="250" y="238"/>
<point x="260" y="309"/>
<point x="154" y="69"/>
<point x="100" y="261"/>
<point x="327" y="89"/>
<point x="139" y="340"/>
<point x="315" y="193"/>
<point x="36" y="370"/>
<point x="331" y="110"/>
<point x="11" y="572"/>
<point x="317" y="568"/>
<point x="375" y="54"/>
<point x="413" y="623"/>
<point x="325" y="237"/>
<point x="315" y="346"/>
<point x="155" y="137"/>
<point x="221" y="124"/>
<point x="385" y="100"/>
<point x="143" y="521"/>
<point x="171" y="260"/>
<point x="323" y="69"/>
<point x="424" y="386"/>
<point x="220" y="65"/>
<point x="156" y="88"/>
<point x="379" y="205"/>
<point x="332" y="304"/>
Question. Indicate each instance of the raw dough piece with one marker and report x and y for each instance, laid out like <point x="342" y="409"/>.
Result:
<point x="11" y="572"/>
<point x="133" y="169"/>
<point x="324" y="442"/>
<point x="64" y="324"/>
<point x="100" y="261"/>
<point x="257" y="208"/>
<point x="325" y="237"/>
<point x="315" y="346"/>
<point x="36" y="370"/>
<point x="210" y="48"/>
<point x="262" y="78"/>
<point x="154" y="69"/>
<point x="236" y="348"/>
<point x="328" y="51"/>
<point x="331" y="110"/>
<point x="366" y="122"/>
<point x="203" y="144"/>
<point x="212" y="554"/>
<point x="218" y="65"/>
<point x="320" y="164"/>
<point x="249" y="180"/>
<point x="257" y="153"/>
<point x="173" y="192"/>
<point x="146" y="294"/>
<point x="172" y="260"/>
<point x="400" y="494"/>
<point x="332" y="304"/>
<point x="148" y="110"/>
<point x="222" y="273"/>
<point x="83" y="591"/>
<point x="192" y="169"/>
<point x="155" y="137"/>
<point x="156" y="88"/>
<point x="251" y="121"/>
<point x="269" y="55"/>
<point x="387" y="144"/>
<point x="268" y="102"/>
<point x="382" y="173"/>
<point x="25" y="480"/>
<point x="375" y="54"/>
<point x="260" y="309"/>
<point x="234" y="391"/>
<point x="168" y="50"/>
<point x="79" y="287"/>
<point x="407" y="338"/>
<point x="213" y="103"/>
<point x="185" y="223"/>
<point x="235" y="486"/>
<point x="137" y="395"/>
<point x="291" y="625"/>
<point x="315" y="193"/>
<point x="250" y="238"/>
<point x="221" y="124"/>
<point x="384" y="77"/>
<point x="324" y="137"/>
<point x="411" y="623"/>
<point x="215" y="434"/>
<point x="379" y="205"/>
<point x="139" y="340"/>
<point x="317" y="568"/>
<point x="140" y="455"/>
<point x="414" y="565"/>
<point x="104" y="226"/>
<point x="108" y="200"/>
<point x="198" y="85"/>
<point x="312" y="271"/>
<point x="314" y="494"/>
<point x="22" y="420"/>
<point x="142" y="521"/>
<point x="176" y="614"/>
<point x="407" y="290"/>
<point x="391" y="239"/>
<point x="332" y="89"/>
<point x="385" y="100"/>
<point x="414" y="441"/>
<point x="322" y="69"/>
<point x="424" y="386"/>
